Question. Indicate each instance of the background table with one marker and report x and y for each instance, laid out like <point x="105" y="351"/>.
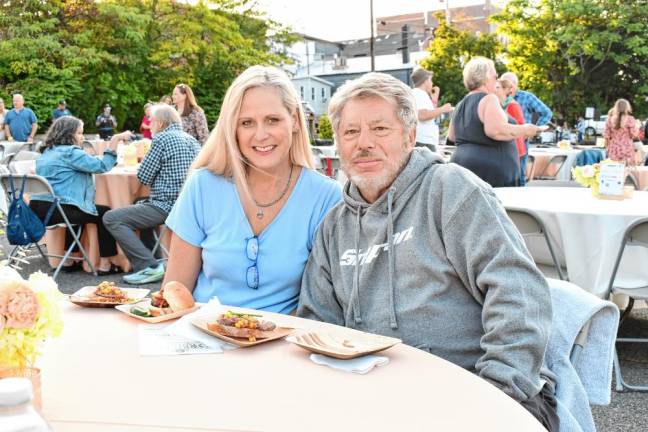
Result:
<point x="94" y="379"/>
<point x="587" y="230"/>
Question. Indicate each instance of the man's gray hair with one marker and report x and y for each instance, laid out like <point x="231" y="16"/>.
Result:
<point x="475" y="72"/>
<point x="510" y="76"/>
<point x="165" y="114"/>
<point x="380" y="85"/>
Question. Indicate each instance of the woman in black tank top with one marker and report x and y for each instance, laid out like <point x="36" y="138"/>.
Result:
<point x="485" y="140"/>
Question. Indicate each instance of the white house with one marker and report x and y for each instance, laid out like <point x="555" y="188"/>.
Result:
<point x="314" y="91"/>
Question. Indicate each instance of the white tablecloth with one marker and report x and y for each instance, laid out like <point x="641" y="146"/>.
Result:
<point x="587" y="230"/>
<point x="565" y="170"/>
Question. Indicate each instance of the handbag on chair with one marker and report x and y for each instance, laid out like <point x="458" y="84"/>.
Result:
<point x="24" y="227"/>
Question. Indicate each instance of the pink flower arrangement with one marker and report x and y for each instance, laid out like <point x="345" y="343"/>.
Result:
<point x="29" y="314"/>
<point x="18" y="305"/>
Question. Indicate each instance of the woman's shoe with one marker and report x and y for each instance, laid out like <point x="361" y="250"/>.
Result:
<point x="78" y="265"/>
<point x="113" y="270"/>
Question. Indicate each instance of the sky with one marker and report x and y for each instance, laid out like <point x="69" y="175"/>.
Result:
<point x="344" y="19"/>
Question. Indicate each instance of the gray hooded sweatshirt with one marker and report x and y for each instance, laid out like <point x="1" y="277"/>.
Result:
<point x="436" y="262"/>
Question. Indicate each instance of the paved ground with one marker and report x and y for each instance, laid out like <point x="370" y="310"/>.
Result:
<point x="626" y="413"/>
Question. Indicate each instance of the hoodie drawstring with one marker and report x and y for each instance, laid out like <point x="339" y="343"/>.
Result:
<point x="392" y="259"/>
<point x="355" y="293"/>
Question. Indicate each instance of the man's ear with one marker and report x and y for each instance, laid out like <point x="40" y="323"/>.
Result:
<point x="411" y="137"/>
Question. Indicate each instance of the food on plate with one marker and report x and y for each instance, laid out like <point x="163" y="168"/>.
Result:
<point x="173" y="297"/>
<point x="109" y="290"/>
<point x="106" y="292"/>
<point x="240" y="325"/>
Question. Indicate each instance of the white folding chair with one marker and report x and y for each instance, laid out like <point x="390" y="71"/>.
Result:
<point x="530" y="224"/>
<point x="158" y="243"/>
<point x="635" y="235"/>
<point x="35" y="184"/>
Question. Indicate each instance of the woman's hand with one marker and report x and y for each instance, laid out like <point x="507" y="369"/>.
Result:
<point x="531" y="130"/>
<point x="120" y="137"/>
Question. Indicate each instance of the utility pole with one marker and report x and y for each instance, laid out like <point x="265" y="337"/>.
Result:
<point x="371" y="40"/>
<point x="447" y="11"/>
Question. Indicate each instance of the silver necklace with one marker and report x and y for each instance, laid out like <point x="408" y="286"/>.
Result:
<point x="260" y="213"/>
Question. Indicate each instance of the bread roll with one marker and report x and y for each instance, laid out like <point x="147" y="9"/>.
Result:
<point x="178" y="296"/>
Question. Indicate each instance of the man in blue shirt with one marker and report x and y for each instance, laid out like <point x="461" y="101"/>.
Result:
<point x="530" y="105"/>
<point x="164" y="170"/>
<point x="20" y="123"/>
<point x="61" y="110"/>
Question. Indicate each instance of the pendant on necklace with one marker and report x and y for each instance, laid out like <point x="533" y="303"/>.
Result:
<point x="259" y="214"/>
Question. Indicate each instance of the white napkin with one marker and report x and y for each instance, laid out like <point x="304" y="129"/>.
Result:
<point x="184" y="328"/>
<point x="359" y="365"/>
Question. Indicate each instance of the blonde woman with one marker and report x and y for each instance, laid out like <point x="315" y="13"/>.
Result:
<point x="194" y="121"/>
<point x="244" y="225"/>
<point x="621" y="130"/>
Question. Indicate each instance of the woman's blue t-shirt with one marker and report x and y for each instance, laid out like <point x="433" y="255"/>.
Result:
<point x="208" y="214"/>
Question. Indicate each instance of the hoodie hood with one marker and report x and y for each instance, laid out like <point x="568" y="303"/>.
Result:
<point x="398" y="193"/>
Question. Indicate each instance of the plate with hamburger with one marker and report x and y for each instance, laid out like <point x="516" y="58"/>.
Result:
<point x="173" y="301"/>
<point x="243" y="329"/>
<point x="106" y="295"/>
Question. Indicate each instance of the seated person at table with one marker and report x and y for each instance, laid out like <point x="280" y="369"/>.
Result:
<point x="164" y="170"/>
<point x="424" y="252"/>
<point x="68" y="169"/>
<point x="485" y="139"/>
<point x="245" y="222"/>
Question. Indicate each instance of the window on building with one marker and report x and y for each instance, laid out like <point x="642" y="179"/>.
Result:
<point x="312" y="93"/>
<point x="323" y="93"/>
<point x="301" y="89"/>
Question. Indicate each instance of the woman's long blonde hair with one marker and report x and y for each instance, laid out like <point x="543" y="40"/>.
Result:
<point x="221" y="154"/>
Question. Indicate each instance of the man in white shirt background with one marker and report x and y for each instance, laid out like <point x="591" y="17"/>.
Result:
<point x="427" y="98"/>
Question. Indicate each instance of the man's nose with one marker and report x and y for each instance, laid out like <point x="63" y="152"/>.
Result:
<point x="365" y="140"/>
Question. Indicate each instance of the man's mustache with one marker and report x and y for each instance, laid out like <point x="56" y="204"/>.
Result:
<point x="364" y="154"/>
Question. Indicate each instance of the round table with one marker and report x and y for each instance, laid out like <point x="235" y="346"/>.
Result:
<point x="94" y="379"/>
<point x="587" y="230"/>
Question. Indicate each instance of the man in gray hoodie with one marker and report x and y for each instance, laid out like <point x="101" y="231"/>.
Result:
<point x="424" y="252"/>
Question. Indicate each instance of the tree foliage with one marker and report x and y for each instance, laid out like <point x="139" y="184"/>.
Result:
<point x="324" y="127"/>
<point x="578" y="53"/>
<point x="450" y="49"/>
<point x="129" y="52"/>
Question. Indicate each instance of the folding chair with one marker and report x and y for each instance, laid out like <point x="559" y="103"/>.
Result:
<point x="631" y="180"/>
<point x="23" y="156"/>
<point x="35" y="184"/>
<point x="553" y="168"/>
<point x="635" y="235"/>
<point x="531" y="160"/>
<point x="530" y="224"/>
<point x="158" y="243"/>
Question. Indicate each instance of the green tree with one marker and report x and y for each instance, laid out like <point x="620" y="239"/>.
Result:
<point x="450" y="49"/>
<point x="324" y="127"/>
<point x="578" y="53"/>
<point x="128" y="52"/>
